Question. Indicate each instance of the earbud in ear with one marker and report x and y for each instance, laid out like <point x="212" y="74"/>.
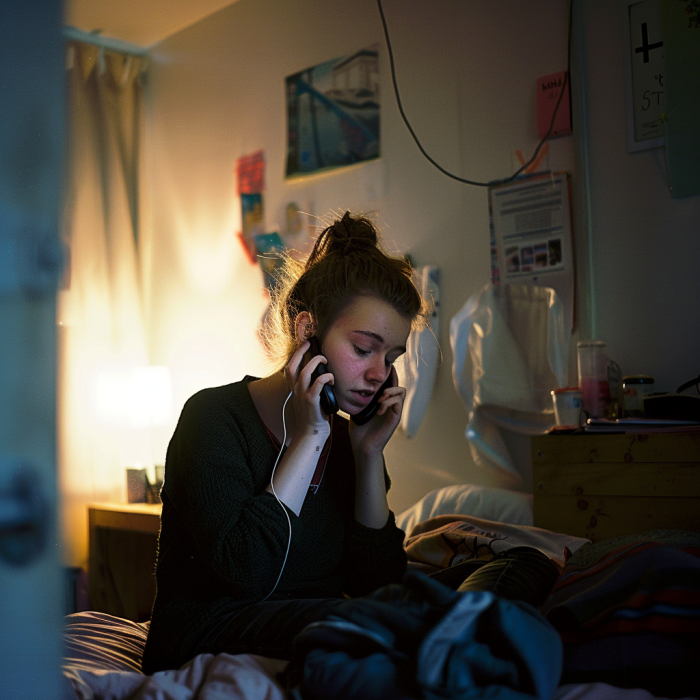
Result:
<point x="309" y="331"/>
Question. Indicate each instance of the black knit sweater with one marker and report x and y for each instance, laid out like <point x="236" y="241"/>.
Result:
<point x="223" y="536"/>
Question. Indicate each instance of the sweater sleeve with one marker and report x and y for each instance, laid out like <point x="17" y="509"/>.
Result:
<point x="373" y="557"/>
<point x="237" y="531"/>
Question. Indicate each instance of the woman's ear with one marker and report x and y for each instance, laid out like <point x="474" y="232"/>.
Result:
<point x="304" y="327"/>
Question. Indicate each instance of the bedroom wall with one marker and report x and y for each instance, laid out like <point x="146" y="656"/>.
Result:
<point x="217" y="94"/>
<point x="645" y="246"/>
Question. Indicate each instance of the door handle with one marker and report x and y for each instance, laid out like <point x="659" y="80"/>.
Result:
<point x="24" y="514"/>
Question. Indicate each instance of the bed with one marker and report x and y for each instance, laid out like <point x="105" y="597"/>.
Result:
<point x="622" y="640"/>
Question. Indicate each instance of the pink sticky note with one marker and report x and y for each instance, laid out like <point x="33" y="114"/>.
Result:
<point x="548" y="90"/>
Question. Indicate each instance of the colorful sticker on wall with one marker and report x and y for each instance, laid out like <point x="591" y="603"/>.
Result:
<point x="333" y="113"/>
<point x="252" y="221"/>
<point x="293" y="220"/>
<point x="250" y="173"/>
<point x="269" y="247"/>
<point x="250" y="183"/>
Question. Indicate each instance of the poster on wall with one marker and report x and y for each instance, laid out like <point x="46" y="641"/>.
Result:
<point x="333" y="114"/>
<point x="532" y="243"/>
<point x="250" y="173"/>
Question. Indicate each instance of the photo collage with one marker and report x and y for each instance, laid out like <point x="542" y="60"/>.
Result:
<point x="534" y="257"/>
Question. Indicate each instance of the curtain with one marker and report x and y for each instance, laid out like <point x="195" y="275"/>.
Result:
<point x="100" y="311"/>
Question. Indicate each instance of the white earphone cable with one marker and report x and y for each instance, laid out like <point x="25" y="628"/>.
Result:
<point x="284" y="510"/>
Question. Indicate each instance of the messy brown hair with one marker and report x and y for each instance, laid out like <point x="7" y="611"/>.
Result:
<point x="346" y="262"/>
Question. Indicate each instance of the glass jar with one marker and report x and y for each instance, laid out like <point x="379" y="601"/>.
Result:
<point x="635" y="387"/>
<point x="593" y="377"/>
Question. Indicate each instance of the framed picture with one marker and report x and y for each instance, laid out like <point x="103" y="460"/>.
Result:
<point x="333" y="114"/>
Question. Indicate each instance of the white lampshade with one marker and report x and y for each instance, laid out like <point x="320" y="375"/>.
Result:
<point x="150" y="396"/>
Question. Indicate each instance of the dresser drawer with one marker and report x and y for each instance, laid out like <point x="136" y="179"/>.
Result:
<point x="600" y="486"/>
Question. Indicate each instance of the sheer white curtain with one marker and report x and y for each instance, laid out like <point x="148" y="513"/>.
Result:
<point x="100" y="315"/>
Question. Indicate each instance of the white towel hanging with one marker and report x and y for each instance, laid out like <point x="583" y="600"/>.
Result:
<point x="509" y="351"/>
<point x="418" y="369"/>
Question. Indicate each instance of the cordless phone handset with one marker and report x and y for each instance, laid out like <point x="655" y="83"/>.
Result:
<point x="329" y="404"/>
<point x="370" y="410"/>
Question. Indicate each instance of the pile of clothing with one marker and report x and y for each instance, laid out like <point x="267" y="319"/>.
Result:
<point x="421" y="639"/>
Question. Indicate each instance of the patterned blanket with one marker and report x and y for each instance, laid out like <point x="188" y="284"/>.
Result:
<point x="628" y="612"/>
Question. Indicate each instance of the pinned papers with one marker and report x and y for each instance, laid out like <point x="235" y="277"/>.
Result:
<point x="531" y="235"/>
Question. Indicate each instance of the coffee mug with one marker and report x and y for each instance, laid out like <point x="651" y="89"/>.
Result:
<point x="568" y="403"/>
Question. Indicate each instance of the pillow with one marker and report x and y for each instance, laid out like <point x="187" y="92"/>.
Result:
<point x="499" y="505"/>
<point x="94" y="641"/>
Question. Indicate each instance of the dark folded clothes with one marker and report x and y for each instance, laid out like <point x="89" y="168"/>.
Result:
<point x="520" y="573"/>
<point x="423" y="640"/>
<point x="628" y="612"/>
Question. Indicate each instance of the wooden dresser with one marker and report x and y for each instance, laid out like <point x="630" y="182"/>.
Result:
<point x="599" y="486"/>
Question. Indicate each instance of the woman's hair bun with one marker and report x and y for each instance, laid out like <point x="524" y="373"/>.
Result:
<point x="344" y="236"/>
<point x="347" y="261"/>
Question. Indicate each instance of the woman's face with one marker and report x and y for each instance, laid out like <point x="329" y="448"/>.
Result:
<point x="360" y="346"/>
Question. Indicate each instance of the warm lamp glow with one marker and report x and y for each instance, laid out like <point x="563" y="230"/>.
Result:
<point x="141" y="397"/>
<point x="110" y="396"/>
<point x="151" y="396"/>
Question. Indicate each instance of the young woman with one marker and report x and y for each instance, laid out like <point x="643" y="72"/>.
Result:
<point x="273" y="509"/>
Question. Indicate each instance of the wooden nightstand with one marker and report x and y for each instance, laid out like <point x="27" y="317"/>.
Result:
<point x="600" y="486"/>
<point x="123" y="540"/>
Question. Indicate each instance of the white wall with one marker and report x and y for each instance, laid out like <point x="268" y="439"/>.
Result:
<point x="645" y="245"/>
<point x="467" y="72"/>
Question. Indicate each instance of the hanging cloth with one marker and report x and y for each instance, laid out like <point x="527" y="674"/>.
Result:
<point x="102" y="336"/>
<point x="419" y="367"/>
<point x="509" y="348"/>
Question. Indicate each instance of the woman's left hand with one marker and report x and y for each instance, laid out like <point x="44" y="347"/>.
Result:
<point x="370" y="439"/>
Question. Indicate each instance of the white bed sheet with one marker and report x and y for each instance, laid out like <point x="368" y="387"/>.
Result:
<point x="250" y="677"/>
<point x="206" y="677"/>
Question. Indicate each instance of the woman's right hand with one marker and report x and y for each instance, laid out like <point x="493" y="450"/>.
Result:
<point x="310" y="418"/>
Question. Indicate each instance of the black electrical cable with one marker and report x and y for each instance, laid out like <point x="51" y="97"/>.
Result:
<point x="476" y="183"/>
<point x="686" y="385"/>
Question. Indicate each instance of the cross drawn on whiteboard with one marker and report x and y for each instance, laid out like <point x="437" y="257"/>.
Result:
<point x="646" y="47"/>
